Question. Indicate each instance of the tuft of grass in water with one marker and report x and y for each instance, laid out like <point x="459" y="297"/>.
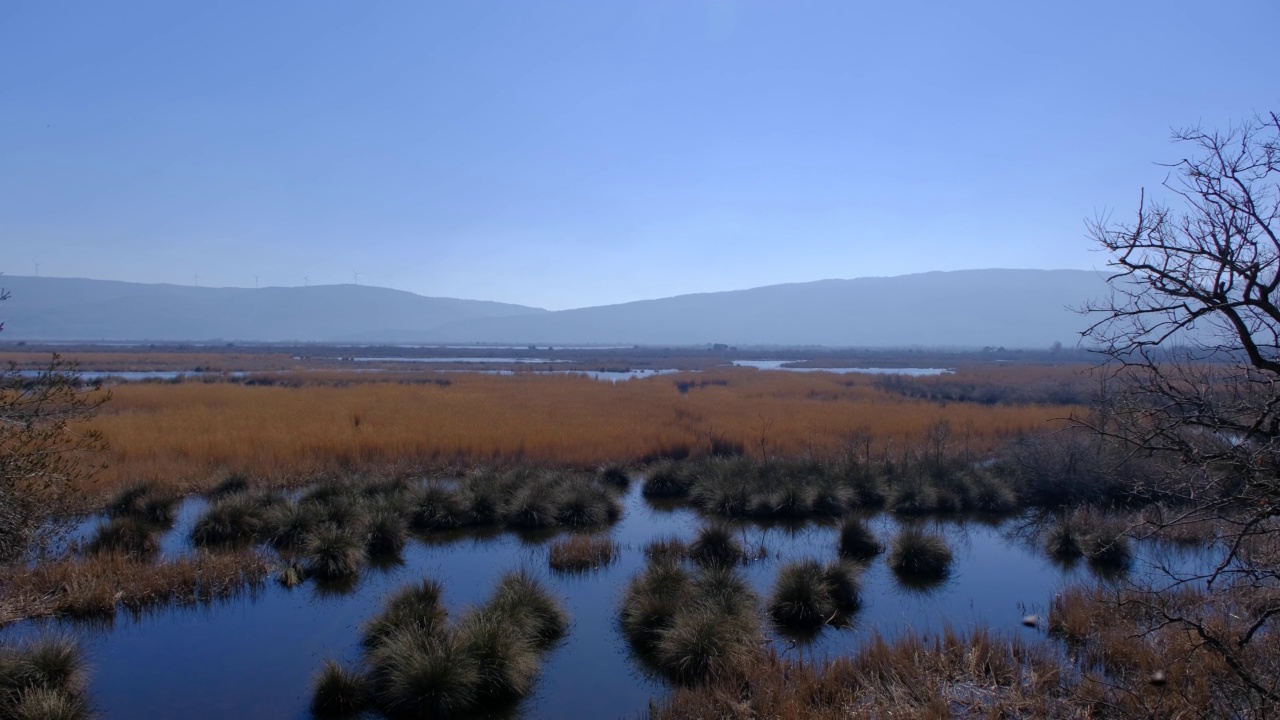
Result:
<point x="339" y="692"/>
<point x="40" y="703"/>
<point x="716" y="545"/>
<point x="725" y="590"/>
<point x="802" y="596"/>
<point x="287" y="526"/>
<point x="418" y="666"/>
<point x="237" y="519"/>
<point x="703" y="643"/>
<point x="667" y="480"/>
<point x="127" y="535"/>
<point x="989" y="495"/>
<point x="652" y="600"/>
<point x="43" y="679"/>
<point x="844" y="582"/>
<point x="614" y="475"/>
<point x="421" y="674"/>
<point x="333" y="553"/>
<point x="920" y="556"/>
<point x="506" y="658"/>
<point x="857" y="542"/>
<point x="523" y="602"/>
<point x="532" y="509"/>
<point x="147" y="502"/>
<point x="913" y="497"/>
<point x="585" y="506"/>
<point x="1063" y="542"/>
<point x="580" y="553"/>
<point x="435" y="507"/>
<point x="414" y="606"/>
<point x="387" y="533"/>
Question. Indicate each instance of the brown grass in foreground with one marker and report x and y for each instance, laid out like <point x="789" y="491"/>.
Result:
<point x="185" y="435"/>
<point x="94" y="588"/>
<point x="951" y="675"/>
<point x="579" y="553"/>
<point x="1123" y="658"/>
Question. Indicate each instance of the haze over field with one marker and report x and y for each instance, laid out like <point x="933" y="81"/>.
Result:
<point x="972" y="308"/>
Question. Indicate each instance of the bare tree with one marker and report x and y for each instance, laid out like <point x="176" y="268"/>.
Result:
<point x="43" y="448"/>
<point x="1192" y="332"/>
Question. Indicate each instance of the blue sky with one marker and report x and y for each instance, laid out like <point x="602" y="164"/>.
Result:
<point x="564" y="154"/>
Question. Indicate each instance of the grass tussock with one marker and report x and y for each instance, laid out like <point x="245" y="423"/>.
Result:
<point x="857" y="541"/>
<point x="418" y="665"/>
<point x="339" y="692"/>
<point x="581" y="553"/>
<point x="807" y="595"/>
<point x="691" y="626"/>
<point x="44" y="679"/>
<point x="716" y="544"/>
<point x="920" y="557"/>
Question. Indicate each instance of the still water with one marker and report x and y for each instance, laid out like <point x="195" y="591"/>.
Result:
<point x="255" y="657"/>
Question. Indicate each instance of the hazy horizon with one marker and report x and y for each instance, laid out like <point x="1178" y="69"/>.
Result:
<point x="570" y="154"/>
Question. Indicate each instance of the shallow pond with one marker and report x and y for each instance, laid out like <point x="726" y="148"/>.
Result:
<point x="255" y="657"/>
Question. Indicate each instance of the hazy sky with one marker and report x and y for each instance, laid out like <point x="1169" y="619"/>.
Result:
<point x="573" y="153"/>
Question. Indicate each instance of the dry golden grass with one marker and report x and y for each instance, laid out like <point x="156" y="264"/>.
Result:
<point x="186" y="435"/>
<point x="94" y="588"/>
<point x="579" y="553"/>
<point x="953" y="675"/>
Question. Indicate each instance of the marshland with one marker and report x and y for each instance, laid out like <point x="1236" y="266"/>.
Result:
<point x="324" y="542"/>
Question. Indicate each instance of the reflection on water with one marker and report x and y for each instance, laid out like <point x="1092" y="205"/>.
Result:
<point x="255" y="658"/>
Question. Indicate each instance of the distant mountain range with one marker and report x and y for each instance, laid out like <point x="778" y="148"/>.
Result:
<point x="961" y="309"/>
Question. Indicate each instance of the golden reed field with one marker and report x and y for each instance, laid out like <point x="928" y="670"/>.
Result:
<point x="191" y="434"/>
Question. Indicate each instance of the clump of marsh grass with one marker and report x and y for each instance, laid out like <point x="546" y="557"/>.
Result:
<point x="419" y="666"/>
<point x="235" y="519"/>
<point x="580" y="553"/>
<point x="1063" y="542"/>
<point x="387" y="533"/>
<point x="921" y="557"/>
<point x="417" y="606"/>
<point x="522" y="601"/>
<point x="716" y="545"/>
<point x="43" y="679"/>
<point x="652" y="600"/>
<point x="339" y="692"/>
<point x="857" y="542"/>
<point x="583" y="506"/>
<point x="334" y="553"/>
<point x="807" y="595"/>
<point x="128" y="535"/>
<point x="145" y="502"/>
<point x="614" y="475"/>
<point x="913" y="496"/>
<point x="435" y="507"/>
<point x="703" y="643"/>
<point x="667" y="480"/>
<point x="532" y="509"/>
<point x="690" y="626"/>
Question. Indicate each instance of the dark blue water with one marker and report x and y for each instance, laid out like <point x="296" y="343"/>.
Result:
<point x="255" y="657"/>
